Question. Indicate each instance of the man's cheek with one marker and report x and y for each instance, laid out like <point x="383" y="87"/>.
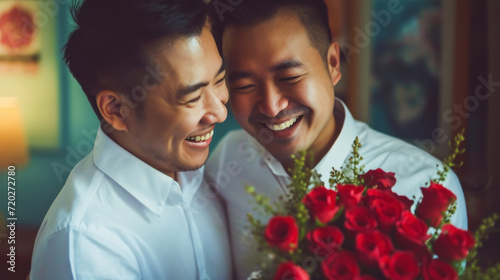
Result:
<point x="241" y="108"/>
<point x="236" y="100"/>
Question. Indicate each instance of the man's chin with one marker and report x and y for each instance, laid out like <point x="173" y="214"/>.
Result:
<point x="195" y="165"/>
<point x="192" y="162"/>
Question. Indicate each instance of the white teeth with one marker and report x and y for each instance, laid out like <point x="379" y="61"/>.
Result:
<point x="202" y="137"/>
<point x="282" y="126"/>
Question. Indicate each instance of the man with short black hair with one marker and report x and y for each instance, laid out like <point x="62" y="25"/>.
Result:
<point x="281" y="71"/>
<point x="135" y="208"/>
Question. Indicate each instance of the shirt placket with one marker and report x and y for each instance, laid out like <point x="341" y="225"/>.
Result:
<point x="197" y="244"/>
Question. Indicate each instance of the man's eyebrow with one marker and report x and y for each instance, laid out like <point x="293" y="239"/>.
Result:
<point x="287" y="64"/>
<point x="236" y="75"/>
<point x="189" y="89"/>
<point x="192" y="88"/>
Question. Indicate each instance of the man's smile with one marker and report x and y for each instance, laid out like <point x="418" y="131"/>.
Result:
<point x="201" y="138"/>
<point x="283" y="125"/>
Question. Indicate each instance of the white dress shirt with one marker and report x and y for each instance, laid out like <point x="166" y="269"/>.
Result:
<point x="240" y="160"/>
<point x="118" y="218"/>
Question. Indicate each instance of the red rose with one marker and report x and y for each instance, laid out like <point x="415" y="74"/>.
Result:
<point x="387" y="212"/>
<point x="453" y="244"/>
<point x="359" y="219"/>
<point x="379" y="178"/>
<point x="350" y="195"/>
<point x="340" y="265"/>
<point x="411" y="231"/>
<point x="282" y="232"/>
<point x="288" y="270"/>
<point x="371" y="246"/>
<point x="423" y="254"/>
<point x="435" y="202"/>
<point x="439" y="270"/>
<point x="323" y="241"/>
<point x="403" y="199"/>
<point x="402" y="265"/>
<point x="387" y="195"/>
<point x="321" y="203"/>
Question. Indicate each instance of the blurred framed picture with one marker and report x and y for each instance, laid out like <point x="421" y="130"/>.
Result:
<point x="29" y="67"/>
<point x="407" y="70"/>
<point x="19" y="37"/>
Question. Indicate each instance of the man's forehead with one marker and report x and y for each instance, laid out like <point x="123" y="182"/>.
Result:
<point x="272" y="51"/>
<point x="274" y="31"/>
<point x="284" y="17"/>
<point x="187" y="62"/>
<point x="174" y="45"/>
<point x="178" y="54"/>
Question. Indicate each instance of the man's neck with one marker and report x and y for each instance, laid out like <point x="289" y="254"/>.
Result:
<point x="122" y="142"/>
<point x="173" y="175"/>
<point x="318" y="154"/>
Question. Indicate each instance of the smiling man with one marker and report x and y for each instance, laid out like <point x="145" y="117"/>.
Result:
<point x="134" y="208"/>
<point x="281" y="70"/>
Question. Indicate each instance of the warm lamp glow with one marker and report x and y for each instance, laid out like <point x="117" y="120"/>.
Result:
<point x="13" y="144"/>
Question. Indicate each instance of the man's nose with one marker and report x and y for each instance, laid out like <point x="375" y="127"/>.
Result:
<point x="216" y="111"/>
<point x="272" y="101"/>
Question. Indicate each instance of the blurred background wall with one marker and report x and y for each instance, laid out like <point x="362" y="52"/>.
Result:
<point x="418" y="70"/>
<point x="423" y="71"/>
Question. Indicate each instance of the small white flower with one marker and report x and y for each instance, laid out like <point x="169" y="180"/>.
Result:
<point x="271" y="256"/>
<point x="255" y="275"/>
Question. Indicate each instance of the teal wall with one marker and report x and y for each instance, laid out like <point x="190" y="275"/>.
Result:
<point x="39" y="182"/>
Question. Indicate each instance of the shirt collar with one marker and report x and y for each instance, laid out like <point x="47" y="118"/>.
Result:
<point x="339" y="151"/>
<point x="337" y="154"/>
<point x="148" y="185"/>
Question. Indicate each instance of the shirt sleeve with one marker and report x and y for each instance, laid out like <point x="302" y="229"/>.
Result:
<point x="82" y="254"/>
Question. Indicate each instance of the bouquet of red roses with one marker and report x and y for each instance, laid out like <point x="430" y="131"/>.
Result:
<point x="360" y="229"/>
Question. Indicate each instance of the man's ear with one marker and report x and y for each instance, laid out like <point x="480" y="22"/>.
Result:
<point x="333" y="59"/>
<point x="114" y="109"/>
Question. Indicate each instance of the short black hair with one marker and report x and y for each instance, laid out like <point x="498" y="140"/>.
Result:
<point x="109" y="48"/>
<point x="313" y="14"/>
